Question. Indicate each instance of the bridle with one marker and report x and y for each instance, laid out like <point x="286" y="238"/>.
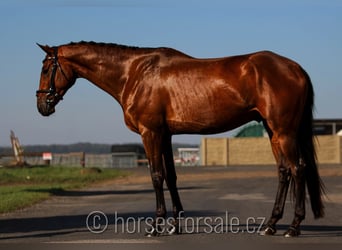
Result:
<point x="51" y="94"/>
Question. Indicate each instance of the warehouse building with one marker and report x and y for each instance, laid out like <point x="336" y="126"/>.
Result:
<point x="128" y="156"/>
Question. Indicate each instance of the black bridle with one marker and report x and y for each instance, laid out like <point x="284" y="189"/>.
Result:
<point x="51" y="93"/>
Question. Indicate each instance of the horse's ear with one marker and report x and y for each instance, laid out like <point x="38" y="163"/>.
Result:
<point x="48" y="50"/>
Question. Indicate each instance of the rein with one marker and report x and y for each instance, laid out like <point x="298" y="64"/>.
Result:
<point x="51" y="92"/>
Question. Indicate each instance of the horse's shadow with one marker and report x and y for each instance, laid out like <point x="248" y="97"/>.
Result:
<point x="45" y="227"/>
<point x="63" y="192"/>
<point x="35" y="227"/>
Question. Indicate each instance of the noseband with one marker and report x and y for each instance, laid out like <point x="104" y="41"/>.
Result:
<point x="51" y="92"/>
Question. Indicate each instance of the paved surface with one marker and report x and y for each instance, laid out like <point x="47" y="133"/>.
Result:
<point x="224" y="207"/>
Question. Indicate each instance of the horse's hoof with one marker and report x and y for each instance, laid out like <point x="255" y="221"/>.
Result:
<point x="292" y="232"/>
<point x="153" y="232"/>
<point x="176" y="229"/>
<point x="268" y="230"/>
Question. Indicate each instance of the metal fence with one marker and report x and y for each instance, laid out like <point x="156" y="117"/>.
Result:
<point x="113" y="160"/>
<point x="74" y="160"/>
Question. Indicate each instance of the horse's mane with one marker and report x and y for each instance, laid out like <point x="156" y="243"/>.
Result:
<point x="108" y="45"/>
<point x="123" y="48"/>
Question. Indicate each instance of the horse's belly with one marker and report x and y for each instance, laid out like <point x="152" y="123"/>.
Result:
<point x="217" y="124"/>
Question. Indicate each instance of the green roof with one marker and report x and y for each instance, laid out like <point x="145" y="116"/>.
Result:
<point x="252" y="130"/>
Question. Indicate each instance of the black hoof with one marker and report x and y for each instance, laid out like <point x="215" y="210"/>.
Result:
<point x="153" y="232"/>
<point x="292" y="232"/>
<point x="268" y="230"/>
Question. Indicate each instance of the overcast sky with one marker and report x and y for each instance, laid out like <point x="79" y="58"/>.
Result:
<point x="308" y="31"/>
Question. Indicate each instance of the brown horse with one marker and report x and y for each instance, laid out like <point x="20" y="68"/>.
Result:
<point x="164" y="92"/>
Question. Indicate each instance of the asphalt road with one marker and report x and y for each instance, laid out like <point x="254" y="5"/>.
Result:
<point x="224" y="207"/>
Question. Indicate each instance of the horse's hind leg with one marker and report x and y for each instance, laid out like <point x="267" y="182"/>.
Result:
<point x="284" y="175"/>
<point x="299" y="192"/>
<point x="285" y="150"/>
<point x="296" y="166"/>
<point x="278" y="209"/>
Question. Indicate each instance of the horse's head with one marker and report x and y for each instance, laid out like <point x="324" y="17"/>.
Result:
<point x="56" y="78"/>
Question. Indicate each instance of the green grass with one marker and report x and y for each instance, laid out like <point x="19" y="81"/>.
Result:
<point x="22" y="187"/>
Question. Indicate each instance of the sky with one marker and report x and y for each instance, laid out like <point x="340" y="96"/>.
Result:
<point x="307" y="31"/>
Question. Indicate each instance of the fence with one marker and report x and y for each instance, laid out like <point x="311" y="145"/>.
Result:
<point x="74" y="159"/>
<point x="113" y="160"/>
<point x="256" y="151"/>
<point x="213" y="152"/>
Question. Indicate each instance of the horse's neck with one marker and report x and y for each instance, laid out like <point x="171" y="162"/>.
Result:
<point x="105" y="71"/>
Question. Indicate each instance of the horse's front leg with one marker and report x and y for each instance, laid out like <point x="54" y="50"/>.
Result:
<point x="153" y="147"/>
<point x="171" y="181"/>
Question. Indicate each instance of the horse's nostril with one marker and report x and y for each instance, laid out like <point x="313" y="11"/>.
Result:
<point x="45" y="108"/>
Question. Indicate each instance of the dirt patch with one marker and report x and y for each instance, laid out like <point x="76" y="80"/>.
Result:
<point x="139" y="176"/>
<point x="227" y="175"/>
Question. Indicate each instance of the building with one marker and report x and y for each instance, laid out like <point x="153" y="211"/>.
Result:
<point x="252" y="129"/>
<point x="128" y="156"/>
<point x="320" y="127"/>
<point x="188" y="157"/>
<point x="327" y="126"/>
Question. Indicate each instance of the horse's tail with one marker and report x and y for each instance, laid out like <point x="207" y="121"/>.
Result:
<point x="308" y="153"/>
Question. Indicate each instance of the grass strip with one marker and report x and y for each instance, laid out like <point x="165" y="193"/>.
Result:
<point x="22" y="187"/>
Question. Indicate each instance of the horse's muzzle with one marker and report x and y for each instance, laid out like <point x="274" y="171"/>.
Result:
<point x="45" y="108"/>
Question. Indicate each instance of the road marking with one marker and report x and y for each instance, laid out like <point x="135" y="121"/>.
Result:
<point x="106" y="241"/>
<point x="252" y="196"/>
